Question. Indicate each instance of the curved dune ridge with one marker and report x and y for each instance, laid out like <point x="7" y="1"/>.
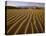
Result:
<point x="25" y="21"/>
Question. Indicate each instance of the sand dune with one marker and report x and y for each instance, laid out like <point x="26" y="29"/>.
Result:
<point x="25" y="21"/>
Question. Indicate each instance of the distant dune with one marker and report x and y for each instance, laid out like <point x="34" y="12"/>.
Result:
<point x="12" y="7"/>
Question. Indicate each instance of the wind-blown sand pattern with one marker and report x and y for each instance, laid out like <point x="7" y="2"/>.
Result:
<point x="25" y="21"/>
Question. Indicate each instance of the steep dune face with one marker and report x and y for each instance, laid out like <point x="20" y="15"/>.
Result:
<point x="25" y="21"/>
